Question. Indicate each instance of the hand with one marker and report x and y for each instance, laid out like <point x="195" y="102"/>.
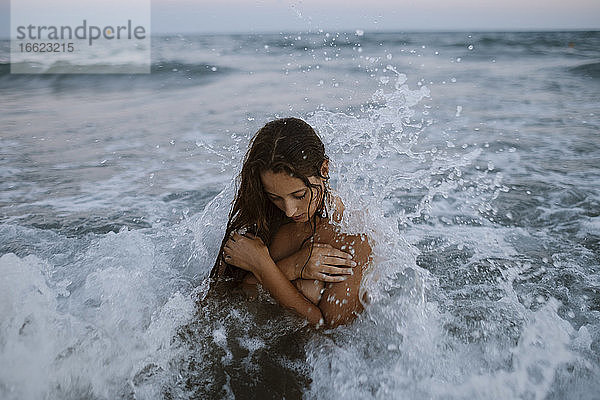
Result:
<point x="245" y="251"/>
<point x="326" y="263"/>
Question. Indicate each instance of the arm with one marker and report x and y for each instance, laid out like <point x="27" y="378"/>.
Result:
<point x="310" y="270"/>
<point x="324" y="263"/>
<point x="340" y="302"/>
<point x="282" y="290"/>
<point x="321" y="262"/>
<point x="311" y="289"/>
<point x="249" y="253"/>
<point x="290" y="266"/>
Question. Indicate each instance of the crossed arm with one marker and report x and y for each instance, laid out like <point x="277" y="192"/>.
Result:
<point x="339" y="303"/>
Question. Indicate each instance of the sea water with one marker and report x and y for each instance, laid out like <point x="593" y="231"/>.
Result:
<point x="472" y="161"/>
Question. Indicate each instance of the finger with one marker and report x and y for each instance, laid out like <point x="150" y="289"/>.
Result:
<point x="331" y="251"/>
<point x="336" y="270"/>
<point x="340" y="253"/>
<point x="237" y="236"/>
<point x="251" y="236"/>
<point x="331" y="278"/>
<point x="339" y="261"/>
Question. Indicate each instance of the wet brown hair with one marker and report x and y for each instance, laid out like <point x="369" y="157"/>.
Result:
<point x="284" y="145"/>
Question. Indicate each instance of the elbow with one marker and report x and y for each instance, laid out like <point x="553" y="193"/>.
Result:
<point x="335" y="319"/>
<point x="315" y="317"/>
<point x="340" y="308"/>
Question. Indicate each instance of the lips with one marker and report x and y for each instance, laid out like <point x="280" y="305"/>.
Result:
<point x="298" y="217"/>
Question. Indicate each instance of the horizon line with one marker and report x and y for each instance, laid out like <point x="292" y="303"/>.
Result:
<point x="366" y="31"/>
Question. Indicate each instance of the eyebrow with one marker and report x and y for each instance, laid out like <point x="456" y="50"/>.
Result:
<point x="274" y="195"/>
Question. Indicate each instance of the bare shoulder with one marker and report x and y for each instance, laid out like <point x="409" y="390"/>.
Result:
<point x="338" y="209"/>
<point x="358" y="244"/>
<point x="340" y="302"/>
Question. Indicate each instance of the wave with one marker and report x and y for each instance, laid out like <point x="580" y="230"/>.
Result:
<point x="591" y="70"/>
<point x="527" y="40"/>
<point x="201" y="69"/>
<point x="159" y="67"/>
<point x="164" y="73"/>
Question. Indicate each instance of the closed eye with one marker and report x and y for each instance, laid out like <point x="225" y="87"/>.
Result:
<point x="275" y="198"/>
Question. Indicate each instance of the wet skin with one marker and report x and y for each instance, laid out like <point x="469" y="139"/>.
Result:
<point x="338" y="301"/>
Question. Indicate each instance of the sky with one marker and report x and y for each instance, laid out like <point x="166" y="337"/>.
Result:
<point x="397" y="15"/>
<point x="224" y="16"/>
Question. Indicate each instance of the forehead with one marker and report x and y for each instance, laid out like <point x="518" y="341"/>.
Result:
<point x="281" y="183"/>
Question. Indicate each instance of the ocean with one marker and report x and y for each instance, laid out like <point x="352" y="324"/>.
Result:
<point x="472" y="159"/>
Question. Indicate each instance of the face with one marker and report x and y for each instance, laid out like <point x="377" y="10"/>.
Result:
<point x="291" y="195"/>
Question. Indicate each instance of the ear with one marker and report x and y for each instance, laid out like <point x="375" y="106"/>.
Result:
<point x="325" y="168"/>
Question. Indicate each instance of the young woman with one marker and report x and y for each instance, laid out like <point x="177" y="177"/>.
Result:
<point x="280" y="233"/>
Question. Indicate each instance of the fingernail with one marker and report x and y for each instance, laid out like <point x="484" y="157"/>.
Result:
<point x="354" y="263"/>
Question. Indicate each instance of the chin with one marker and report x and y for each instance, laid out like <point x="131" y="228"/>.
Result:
<point x="303" y="219"/>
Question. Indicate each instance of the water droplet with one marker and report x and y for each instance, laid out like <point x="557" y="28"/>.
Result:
<point x="470" y="47"/>
<point x="358" y="32"/>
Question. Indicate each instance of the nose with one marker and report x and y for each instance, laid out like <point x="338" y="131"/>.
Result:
<point x="290" y="208"/>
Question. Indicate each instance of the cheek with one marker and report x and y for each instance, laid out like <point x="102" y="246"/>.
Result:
<point x="306" y="203"/>
<point x="277" y="203"/>
<point x="313" y="204"/>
